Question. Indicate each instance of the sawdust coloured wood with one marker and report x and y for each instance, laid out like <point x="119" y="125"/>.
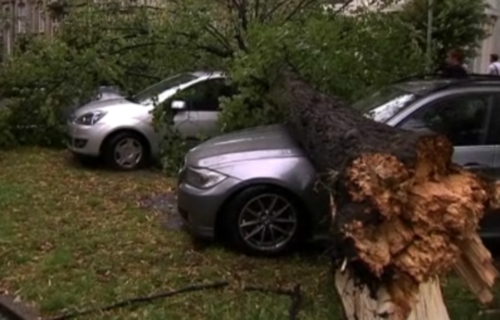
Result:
<point x="404" y="213"/>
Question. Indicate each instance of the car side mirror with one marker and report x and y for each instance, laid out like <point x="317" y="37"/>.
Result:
<point x="178" y="105"/>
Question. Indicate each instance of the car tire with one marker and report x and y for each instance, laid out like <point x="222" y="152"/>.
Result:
<point x="284" y="221"/>
<point x="130" y="146"/>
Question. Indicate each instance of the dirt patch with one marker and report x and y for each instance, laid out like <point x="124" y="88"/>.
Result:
<point x="166" y="204"/>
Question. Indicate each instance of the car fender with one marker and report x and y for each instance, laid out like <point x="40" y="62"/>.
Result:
<point x="139" y="128"/>
<point x="293" y="174"/>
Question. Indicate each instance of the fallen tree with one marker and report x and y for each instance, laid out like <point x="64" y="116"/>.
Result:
<point x="404" y="214"/>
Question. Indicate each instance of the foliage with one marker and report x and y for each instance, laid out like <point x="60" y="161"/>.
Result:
<point x="342" y="55"/>
<point x="133" y="46"/>
<point x="173" y="146"/>
<point x="43" y="81"/>
<point x="345" y="55"/>
<point x="456" y="24"/>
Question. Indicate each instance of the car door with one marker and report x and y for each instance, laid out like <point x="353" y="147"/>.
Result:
<point x="199" y="118"/>
<point x="469" y="120"/>
<point x="490" y="224"/>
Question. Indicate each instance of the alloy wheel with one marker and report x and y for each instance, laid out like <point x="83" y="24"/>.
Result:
<point x="267" y="222"/>
<point x="128" y="153"/>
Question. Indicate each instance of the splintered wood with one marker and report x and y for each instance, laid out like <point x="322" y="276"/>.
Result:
<point x="428" y="214"/>
<point x="358" y="304"/>
<point x="404" y="213"/>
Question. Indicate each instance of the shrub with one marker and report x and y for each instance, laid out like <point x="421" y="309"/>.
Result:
<point x="131" y="47"/>
<point x="456" y="24"/>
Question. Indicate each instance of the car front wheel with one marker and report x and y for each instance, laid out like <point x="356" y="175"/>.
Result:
<point x="264" y="220"/>
<point x="125" y="151"/>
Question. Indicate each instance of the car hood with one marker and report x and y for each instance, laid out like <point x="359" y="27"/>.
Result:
<point x="109" y="105"/>
<point x="250" y="144"/>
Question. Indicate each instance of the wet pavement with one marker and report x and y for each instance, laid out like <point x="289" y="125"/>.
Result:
<point x="166" y="204"/>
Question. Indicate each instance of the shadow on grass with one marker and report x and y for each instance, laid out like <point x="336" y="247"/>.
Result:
<point x="171" y="220"/>
<point x="76" y="161"/>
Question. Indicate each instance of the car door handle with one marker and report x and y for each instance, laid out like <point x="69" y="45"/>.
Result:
<point x="475" y="165"/>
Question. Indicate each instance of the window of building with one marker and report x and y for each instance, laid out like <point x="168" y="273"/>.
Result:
<point x="41" y="19"/>
<point x="21" y="17"/>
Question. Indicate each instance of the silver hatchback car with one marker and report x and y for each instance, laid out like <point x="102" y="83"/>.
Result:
<point x="121" y="129"/>
<point x="258" y="189"/>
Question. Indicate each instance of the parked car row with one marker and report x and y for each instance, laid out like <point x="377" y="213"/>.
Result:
<point x="256" y="187"/>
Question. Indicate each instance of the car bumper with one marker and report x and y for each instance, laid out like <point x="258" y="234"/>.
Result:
<point x="199" y="208"/>
<point x="85" y="140"/>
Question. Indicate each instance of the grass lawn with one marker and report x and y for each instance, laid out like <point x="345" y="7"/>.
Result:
<point x="72" y="237"/>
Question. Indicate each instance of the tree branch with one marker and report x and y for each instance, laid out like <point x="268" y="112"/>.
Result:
<point x="218" y="35"/>
<point x="145" y="299"/>
<point x="244" y="15"/>
<point x="271" y="12"/>
<point x="215" y="51"/>
<point x="210" y="49"/>
<point x="242" y="23"/>
<point x="256" y="9"/>
<point x="302" y="4"/>
<point x="343" y="7"/>
<point x="142" y="75"/>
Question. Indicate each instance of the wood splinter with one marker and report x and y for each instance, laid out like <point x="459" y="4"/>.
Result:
<point x="404" y="214"/>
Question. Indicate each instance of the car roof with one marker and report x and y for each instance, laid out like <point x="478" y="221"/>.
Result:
<point x="425" y="84"/>
<point x="422" y="86"/>
<point x="200" y="74"/>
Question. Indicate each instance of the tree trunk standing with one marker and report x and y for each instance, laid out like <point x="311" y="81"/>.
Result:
<point x="404" y="213"/>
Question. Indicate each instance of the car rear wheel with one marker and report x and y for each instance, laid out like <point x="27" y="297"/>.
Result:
<point x="126" y="151"/>
<point x="264" y="220"/>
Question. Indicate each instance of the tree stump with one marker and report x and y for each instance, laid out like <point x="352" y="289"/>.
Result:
<point x="405" y="214"/>
<point x="359" y="305"/>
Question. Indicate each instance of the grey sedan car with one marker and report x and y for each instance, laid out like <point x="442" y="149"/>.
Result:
<point x="121" y="130"/>
<point x="257" y="188"/>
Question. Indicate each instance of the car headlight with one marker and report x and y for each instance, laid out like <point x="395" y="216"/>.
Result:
<point x="90" y="118"/>
<point x="203" y="178"/>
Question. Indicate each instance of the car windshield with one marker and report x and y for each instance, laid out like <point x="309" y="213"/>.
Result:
<point x="162" y="86"/>
<point x="384" y="104"/>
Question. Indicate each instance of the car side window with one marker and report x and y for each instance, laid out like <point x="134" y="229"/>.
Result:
<point x="463" y="119"/>
<point x="205" y="96"/>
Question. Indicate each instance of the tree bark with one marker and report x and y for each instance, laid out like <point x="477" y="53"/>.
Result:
<point x="403" y="211"/>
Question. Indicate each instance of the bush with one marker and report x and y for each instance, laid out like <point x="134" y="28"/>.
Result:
<point x="342" y="55"/>
<point x="456" y="24"/>
<point x="346" y="56"/>
<point x="131" y="47"/>
<point x="43" y="81"/>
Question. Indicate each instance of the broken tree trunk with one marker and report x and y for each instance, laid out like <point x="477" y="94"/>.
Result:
<point x="359" y="305"/>
<point x="404" y="213"/>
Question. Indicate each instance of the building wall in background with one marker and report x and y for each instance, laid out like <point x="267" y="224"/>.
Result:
<point x="492" y="43"/>
<point x="20" y="17"/>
